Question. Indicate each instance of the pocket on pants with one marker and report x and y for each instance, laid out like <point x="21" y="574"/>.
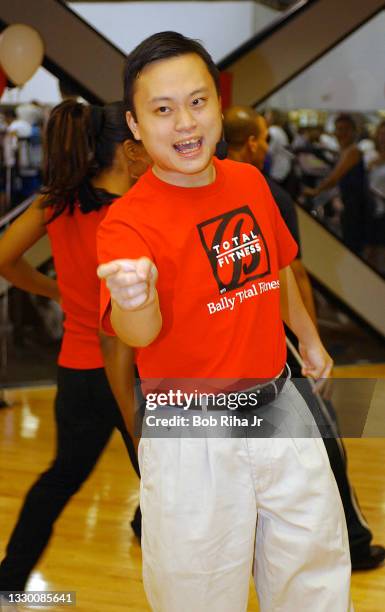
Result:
<point x="300" y="422"/>
<point x="310" y="452"/>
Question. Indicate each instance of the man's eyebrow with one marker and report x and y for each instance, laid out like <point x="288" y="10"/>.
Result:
<point x="200" y="90"/>
<point x="160" y="99"/>
<point x="169" y="99"/>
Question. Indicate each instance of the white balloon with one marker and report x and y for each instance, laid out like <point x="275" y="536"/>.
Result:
<point x="21" y="52"/>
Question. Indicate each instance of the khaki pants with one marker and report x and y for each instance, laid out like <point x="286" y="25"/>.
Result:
<point x="215" y="510"/>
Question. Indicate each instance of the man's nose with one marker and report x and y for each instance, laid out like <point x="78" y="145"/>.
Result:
<point x="185" y="120"/>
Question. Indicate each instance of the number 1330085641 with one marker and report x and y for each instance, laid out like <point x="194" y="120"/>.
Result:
<point x="38" y="598"/>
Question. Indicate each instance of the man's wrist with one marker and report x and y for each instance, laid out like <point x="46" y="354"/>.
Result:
<point x="310" y="338"/>
<point x="150" y="301"/>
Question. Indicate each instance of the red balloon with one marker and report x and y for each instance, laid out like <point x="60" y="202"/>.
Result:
<point x="3" y="81"/>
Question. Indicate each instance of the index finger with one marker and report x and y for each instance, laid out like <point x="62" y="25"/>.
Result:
<point x="111" y="267"/>
<point x="145" y="268"/>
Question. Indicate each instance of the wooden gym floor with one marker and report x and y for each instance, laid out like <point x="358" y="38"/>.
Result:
<point x="93" y="550"/>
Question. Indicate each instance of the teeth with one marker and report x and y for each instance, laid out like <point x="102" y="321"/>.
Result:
<point x="186" y="142"/>
<point x="188" y="147"/>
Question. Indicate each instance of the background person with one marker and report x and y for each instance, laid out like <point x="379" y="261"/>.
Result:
<point x="246" y="137"/>
<point x="376" y="248"/>
<point x="281" y="158"/>
<point x="350" y="176"/>
<point x="378" y="158"/>
<point x="90" y="159"/>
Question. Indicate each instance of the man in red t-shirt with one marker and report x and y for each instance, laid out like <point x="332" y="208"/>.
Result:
<point x="196" y="263"/>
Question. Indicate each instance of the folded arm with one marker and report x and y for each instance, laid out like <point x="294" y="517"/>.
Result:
<point x="17" y="239"/>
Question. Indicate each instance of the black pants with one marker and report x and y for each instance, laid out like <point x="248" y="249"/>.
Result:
<point x="324" y="414"/>
<point x="86" y="415"/>
<point x="353" y="229"/>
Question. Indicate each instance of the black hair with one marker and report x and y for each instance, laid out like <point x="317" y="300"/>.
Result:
<point x="346" y="118"/>
<point x="163" y="45"/>
<point x="80" y="141"/>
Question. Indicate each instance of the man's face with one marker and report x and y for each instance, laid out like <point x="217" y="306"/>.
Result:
<point x="178" y="118"/>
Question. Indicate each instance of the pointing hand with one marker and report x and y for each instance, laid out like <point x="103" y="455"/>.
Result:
<point x="131" y="281"/>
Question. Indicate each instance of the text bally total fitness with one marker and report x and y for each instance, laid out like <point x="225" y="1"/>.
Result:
<point x="230" y="302"/>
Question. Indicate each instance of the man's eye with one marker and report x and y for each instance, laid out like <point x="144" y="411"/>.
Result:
<point x="198" y="101"/>
<point x="163" y="110"/>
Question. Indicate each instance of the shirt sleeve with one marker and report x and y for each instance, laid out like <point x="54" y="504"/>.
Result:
<point x="116" y="239"/>
<point x="287" y="247"/>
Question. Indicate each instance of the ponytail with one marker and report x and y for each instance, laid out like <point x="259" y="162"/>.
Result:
<point x="67" y="153"/>
<point x="80" y="142"/>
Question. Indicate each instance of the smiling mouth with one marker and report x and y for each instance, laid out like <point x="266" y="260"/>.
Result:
<point x="188" y="147"/>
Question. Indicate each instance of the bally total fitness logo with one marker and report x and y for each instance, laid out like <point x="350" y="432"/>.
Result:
<point x="235" y="247"/>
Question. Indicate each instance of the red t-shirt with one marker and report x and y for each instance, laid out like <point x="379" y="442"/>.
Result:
<point x="73" y="243"/>
<point x="218" y="250"/>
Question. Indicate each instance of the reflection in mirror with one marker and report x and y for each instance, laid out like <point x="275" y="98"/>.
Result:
<point x="327" y="141"/>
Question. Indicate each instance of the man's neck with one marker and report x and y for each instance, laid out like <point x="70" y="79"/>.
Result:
<point x="202" y="179"/>
<point x="240" y="155"/>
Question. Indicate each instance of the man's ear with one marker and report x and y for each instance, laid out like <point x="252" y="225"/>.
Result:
<point x="252" y="143"/>
<point x="132" y="124"/>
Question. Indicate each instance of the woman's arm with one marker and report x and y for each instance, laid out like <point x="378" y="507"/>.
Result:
<point x="349" y="159"/>
<point x="16" y="240"/>
<point x="119" y="366"/>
